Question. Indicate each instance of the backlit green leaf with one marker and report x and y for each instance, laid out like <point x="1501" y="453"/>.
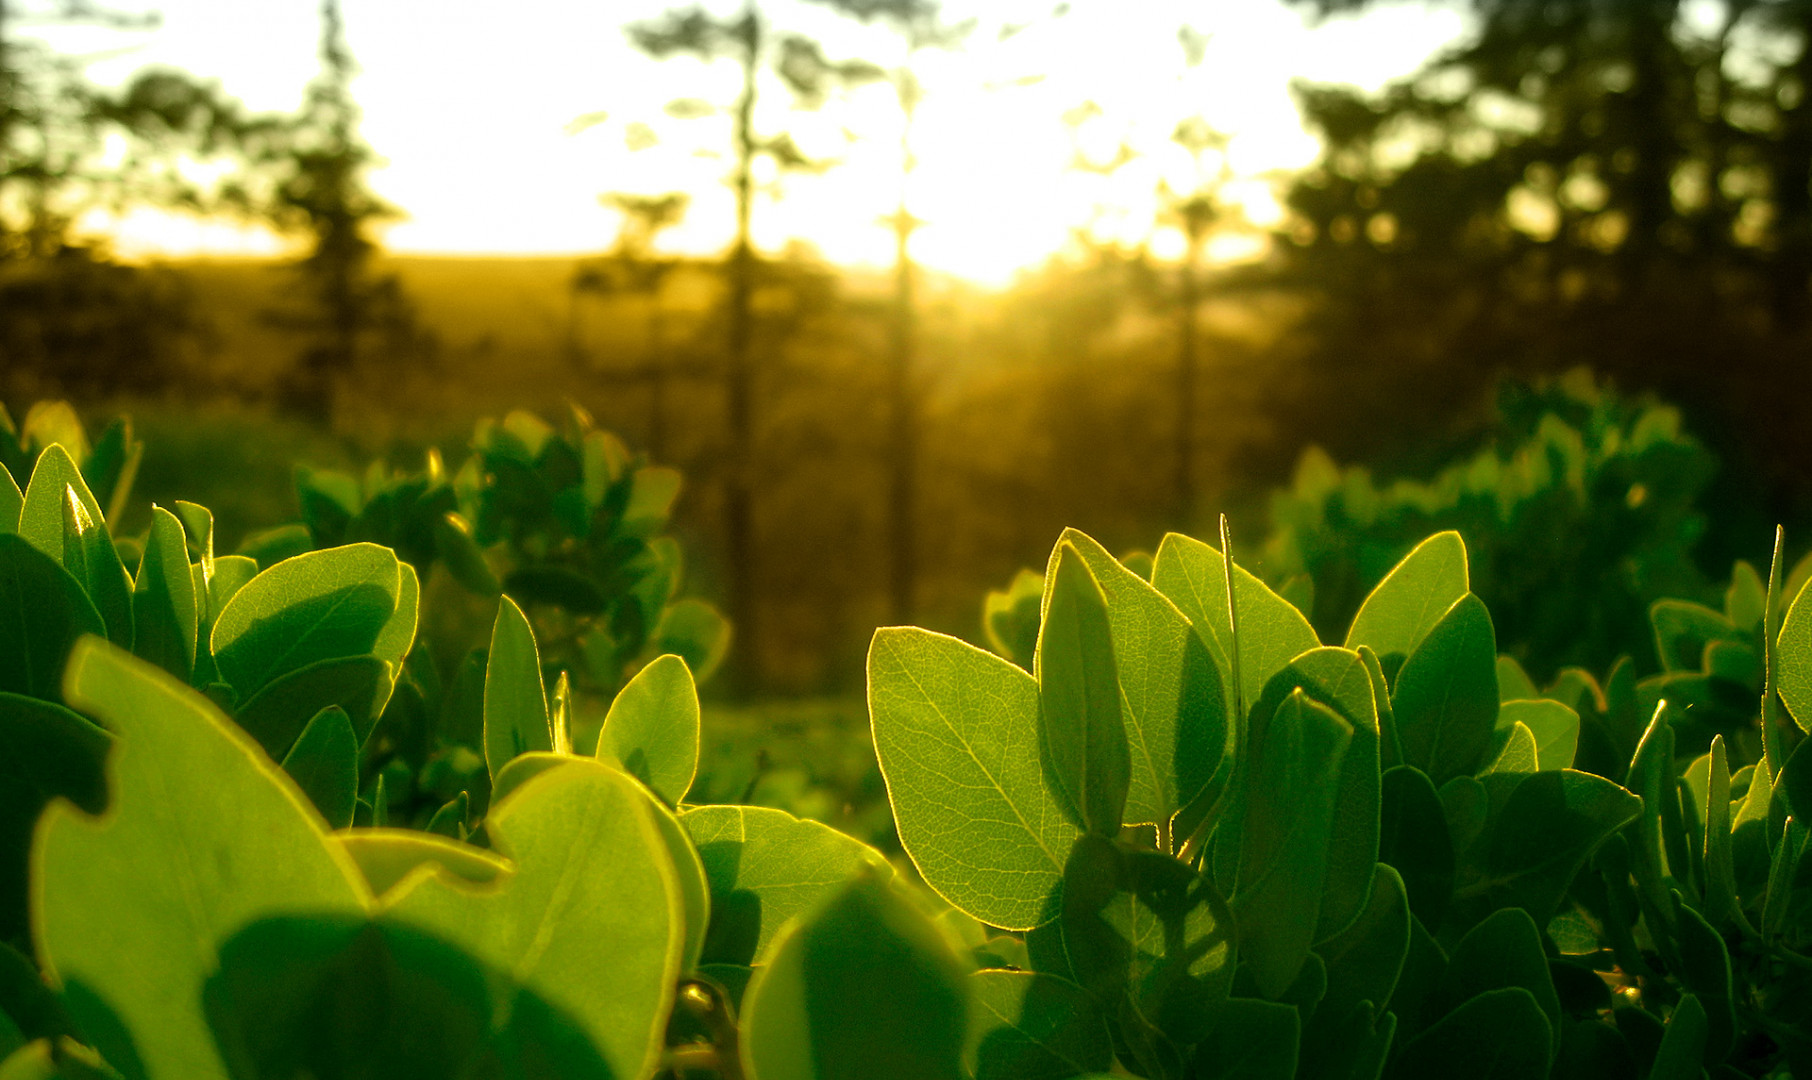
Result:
<point x="1290" y="817"/>
<point x="956" y="733"/>
<point x="386" y="856"/>
<point x="91" y="558"/>
<point x="46" y="752"/>
<point x="324" y="763"/>
<point x="1793" y="657"/>
<point x="1176" y="708"/>
<point x="1411" y="599"/>
<point x="1445" y="697"/>
<point x="12" y="500"/>
<point x="652" y="728"/>
<point x="515" y="699"/>
<point x="593" y="890"/>
<point x="203" y="835"/>
<point x="763" y="868"/>
<point x="1364" y="960"/>
<point x="1518" y="755"/>
<point x="1554" y="726"/>
<point x="164" y="614"/>
<point x="318" y="606"/>
<point x="1551" y="824"/>
<point x="276" y="714"/>
<point x="41" y="514"/>
<point x="817" y="1011"/>
<point x="1081" y="729"/>
<point x="1030" y="1026"/>
<point x="1272" y="633"/>
<point x="1503" y="950"/>
<point x="42" y="612"/>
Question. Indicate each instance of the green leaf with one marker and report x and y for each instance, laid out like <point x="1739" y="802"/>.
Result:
<point x="341" y="997"/>
<point x="1794" y="782"/>
<point x="1010" y="617"/>
<point x="1783" y="870"/>
<point x="41" y="514"/>
<point x="1513" y="683"/>
<point x="318" y="606"/>
<point x="464" y="559"/>
<point x="452" y="818"/>
<point x="204" y="835"/>
<point x="164" y="613"/>
<point x="1554" y="727"/>
<point x="817" y="1011"/>
<point x="1503" y="950"/>
<point x="652" y="728"/>
<point x="1255" y="1040"/>
<point x="593" y="890"/>
<point x="1413" y="838"/>
<point x="1445" y="698"/>
<point x="1337" y="678"/>
<point x="1683" y="629"/>
<point x="387" y="856"/>
<point x="1705" y="973"/>
<point x="1272" y="633"/>
<point x="1412" y="599"/>
<point x="515" y="699"/>
<point x="46" y="752"/>
<point x="43" y="611"/>
<point x="12" y="500"/>
<point x="956" y="734"/>
<point x="651" y="495"/>
<point x="1364" y="960"/>
<point x="325" y="764"/>
<point x="1498" y="1035"/>
<point x="1683" y="1045"/>
<point x="1518" y="756"/>
<point x="1793" y="655"/>
<point x="1176" y="712"/>
<point x="398" y="635"/>
<point x="1551" y="824"/>
<point x="1290" y="817"/>
<point x="765" y="867"/>
<point x="91" y="558"/>
<point x="1721" y="903"/>
<point x="694" y="886"/>
<point x="276" y="715"/>
<point x="1031" y="1026"/>
<point x="1081" y="731"/>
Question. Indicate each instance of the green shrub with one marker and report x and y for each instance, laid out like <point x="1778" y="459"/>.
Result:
<point x="1185" y="839"/>
<point x="1579" y="517"/>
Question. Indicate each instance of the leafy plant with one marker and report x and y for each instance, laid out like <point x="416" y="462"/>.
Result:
<point x="1183" y="838"/>
<point x="1579" y="516"/>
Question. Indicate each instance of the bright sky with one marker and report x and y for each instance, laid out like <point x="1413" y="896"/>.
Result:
<point x="470" y="103"/>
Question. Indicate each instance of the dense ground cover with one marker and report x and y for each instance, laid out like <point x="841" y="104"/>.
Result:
<point x="421" y="785"/>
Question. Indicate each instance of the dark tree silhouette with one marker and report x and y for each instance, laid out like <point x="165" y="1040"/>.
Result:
<point x="72" y="319"/>
<point x="749" y="41"/>
<point x="919" y="26"/>
<point x="323" y="192"/>
<point x="635" y="268"/>
<point x="1628" y="185"/>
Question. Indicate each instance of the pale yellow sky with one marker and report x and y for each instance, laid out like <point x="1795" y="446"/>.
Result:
<point x="469" y="103"/>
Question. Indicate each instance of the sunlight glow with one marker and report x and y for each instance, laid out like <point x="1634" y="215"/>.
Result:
<point x="469" y="107"/>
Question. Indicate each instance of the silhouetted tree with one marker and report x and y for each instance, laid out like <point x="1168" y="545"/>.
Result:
<point x="749" y="41"/>
<point x="919" y="27"/>
<point x="635" y="268"/>
<point x="324" y="193"/>
<point x="72" y="320"/>
<point x="1625" y="184"/>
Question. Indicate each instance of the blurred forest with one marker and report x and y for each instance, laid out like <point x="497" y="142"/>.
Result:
<point x="1621" y="188"/>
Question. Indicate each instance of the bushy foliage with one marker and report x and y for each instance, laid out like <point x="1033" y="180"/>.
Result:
<point x="1183" y="838"/>
<point x="1579" y="516"/>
